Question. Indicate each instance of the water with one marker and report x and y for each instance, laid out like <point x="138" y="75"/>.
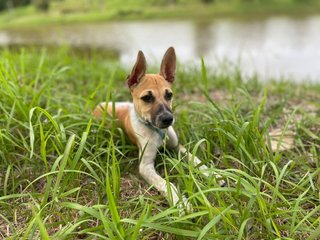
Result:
<point x="272" y="47"/>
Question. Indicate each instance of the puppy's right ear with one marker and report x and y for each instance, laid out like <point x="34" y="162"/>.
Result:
<point x="138" y="70"/>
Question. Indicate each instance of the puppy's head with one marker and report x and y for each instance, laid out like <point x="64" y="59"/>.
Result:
<point x="152" y="94"/>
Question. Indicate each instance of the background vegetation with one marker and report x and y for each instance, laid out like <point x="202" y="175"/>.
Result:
<point x="64" y="175"/>
<point x="28" y="13"/>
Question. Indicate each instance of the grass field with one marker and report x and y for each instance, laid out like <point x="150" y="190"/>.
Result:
<point x="83" y="11"/>
<point x="64" y="175"/>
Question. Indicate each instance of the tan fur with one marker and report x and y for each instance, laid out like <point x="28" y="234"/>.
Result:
<point x="121" y="114"/>
<point x="157" y="85"/>
<point x="98" y="111"/>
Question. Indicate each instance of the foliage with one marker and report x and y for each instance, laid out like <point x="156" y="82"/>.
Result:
<point x="75" y="11"/>
<point x="42" y="5"/>
<point x="64" y="175"/>
<point x="7" y="4"/>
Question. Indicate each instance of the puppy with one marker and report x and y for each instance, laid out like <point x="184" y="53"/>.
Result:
<point x="149" y="118"/>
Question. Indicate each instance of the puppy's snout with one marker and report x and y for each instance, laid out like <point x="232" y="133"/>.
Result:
<point x="166" y="120"/>
<point x="163" y="118"/>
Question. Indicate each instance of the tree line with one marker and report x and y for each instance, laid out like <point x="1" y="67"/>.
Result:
<point x="44" y="5"/>
<point x="10" y="4"/>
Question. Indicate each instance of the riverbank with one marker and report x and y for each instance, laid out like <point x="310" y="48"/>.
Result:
<point x="270" y="48"/>
<point x="65" y="175"/>
<point x="71" y="11"/>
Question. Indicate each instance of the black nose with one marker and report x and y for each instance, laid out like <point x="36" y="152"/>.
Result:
<point x="167" y="120"/>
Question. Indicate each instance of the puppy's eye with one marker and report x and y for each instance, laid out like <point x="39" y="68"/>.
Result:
<point x="147" y="98"/>
<point x="168" y="96"/>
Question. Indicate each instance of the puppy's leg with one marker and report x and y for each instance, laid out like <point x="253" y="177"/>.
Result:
<point x="195" y="161"/>
<point x="148" y="172"/>
<point x="173" y="143"/>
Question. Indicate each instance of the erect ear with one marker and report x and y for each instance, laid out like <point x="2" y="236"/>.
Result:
<point x="168" y="65"/>
<point x="138" y="70"/>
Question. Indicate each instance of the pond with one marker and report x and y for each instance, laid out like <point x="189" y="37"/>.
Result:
<point x="272" y="47"/>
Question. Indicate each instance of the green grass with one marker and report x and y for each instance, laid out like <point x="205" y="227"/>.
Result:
<point x="64" y="175"/>
<point x="83" y="11"/>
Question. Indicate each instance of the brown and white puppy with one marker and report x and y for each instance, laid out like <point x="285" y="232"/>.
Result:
<point x="148" y="120"/>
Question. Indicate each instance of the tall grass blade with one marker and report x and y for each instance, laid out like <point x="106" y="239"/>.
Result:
<point x="212" y="223"/>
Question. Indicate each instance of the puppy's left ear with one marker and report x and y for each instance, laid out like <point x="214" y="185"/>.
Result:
<point x="138" y="70"/>
<point x="168" y="65"/>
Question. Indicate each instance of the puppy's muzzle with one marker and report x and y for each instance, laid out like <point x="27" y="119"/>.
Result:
<point x="163" y="117"/>
<point x="165" y="120"/>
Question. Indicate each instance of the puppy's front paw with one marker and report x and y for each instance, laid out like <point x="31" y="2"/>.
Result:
<point x="208" y="172"/>
<point x="220" y="180"/>
<point x="184" y="206"/>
